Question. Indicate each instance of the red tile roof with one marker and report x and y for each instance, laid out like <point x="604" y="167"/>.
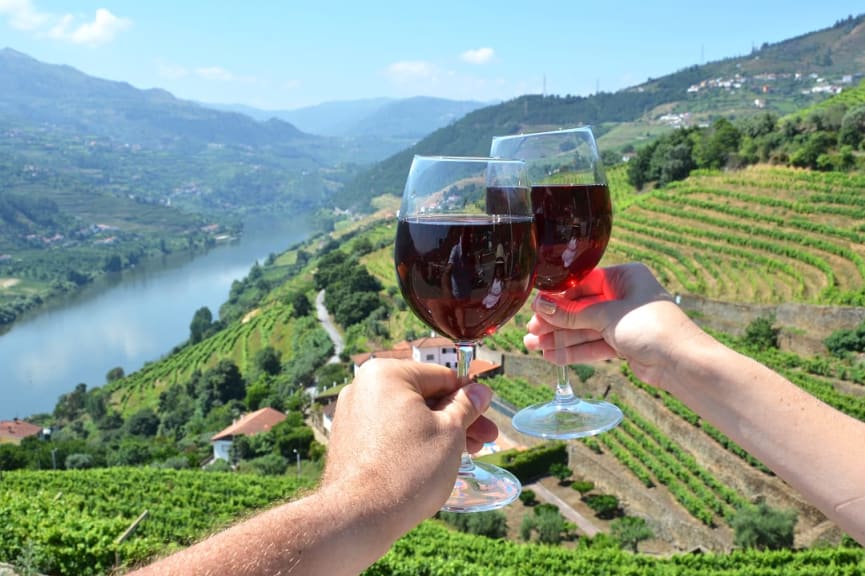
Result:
<point x="433" y="342"/>
<point x="398" y="353"/>
<point x="15" y="430"/>
<point x="481" y="367"/>
<point x="252" y="424"/>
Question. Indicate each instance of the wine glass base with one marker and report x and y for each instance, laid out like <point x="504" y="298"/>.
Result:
<point x="568" y="419"/>
<point x="481" y="488"/>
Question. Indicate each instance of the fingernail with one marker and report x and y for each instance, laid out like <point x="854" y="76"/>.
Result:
<point x="545" y="306"/>
<point x="480" y="396"/>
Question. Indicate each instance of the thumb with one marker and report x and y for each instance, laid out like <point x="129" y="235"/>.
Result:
<point x="467" y="403"/>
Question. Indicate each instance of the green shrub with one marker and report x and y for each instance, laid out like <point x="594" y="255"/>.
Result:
<point x="583" y="486"/>
<point x="529" y="465"/>
<point x="528" y="497"/>
<point x="606" y="506"/>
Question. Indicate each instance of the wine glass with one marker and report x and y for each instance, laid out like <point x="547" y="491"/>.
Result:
<point x="573" y="220"/>
<point x="464" y="255"/>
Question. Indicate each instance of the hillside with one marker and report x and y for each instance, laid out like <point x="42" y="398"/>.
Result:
<point x="663" y="464"/>
<point x="734" y="88"/>
<point x="47" y="94"/>
<point x="766" y="241"/>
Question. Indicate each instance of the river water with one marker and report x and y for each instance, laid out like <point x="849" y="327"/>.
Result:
<point x="124" y="322"/>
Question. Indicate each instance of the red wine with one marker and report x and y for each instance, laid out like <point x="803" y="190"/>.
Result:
<point x="465" y="277"/>
<point x="573" y="224"/>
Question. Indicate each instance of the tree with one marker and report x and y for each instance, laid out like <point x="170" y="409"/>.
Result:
<point x="300" y="303"/>
<point x="761" y="334"/>
<point x="528" y="497"/>
<point x="547" y="521"/>
<point x="605" y="505"/>
<point x="492" y="524"/>
<point x="852" y="130"/>
<point x="561" y="471"/>
<point x="267" y="360"/>
<point x="145" y="422"/>
<point x="78" y="461"/>
<point x="841" y="342"/>
<point x="115" y="373"/>
<point x="289" y="437"/>
<point x="113" y="264"/>
<point x="718" y="144"/>
<point x="332" y="373"/>
<point x="763" y="527"/>
<point x="629" y="531"/>
<point x="70" y="405"/>
<point x="222" y="383"/>
<point x="201" y="321"/>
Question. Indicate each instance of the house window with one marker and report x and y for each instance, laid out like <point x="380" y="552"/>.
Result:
<point x="444" y="350"/>
<point x="447" y="364"/>
<point x="430" y="357"/>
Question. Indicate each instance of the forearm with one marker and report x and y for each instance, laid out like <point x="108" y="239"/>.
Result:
<point x="815" y="448"/>
<point x="327" y="533"/>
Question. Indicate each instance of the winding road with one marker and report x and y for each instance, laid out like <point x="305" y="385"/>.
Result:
<point x="329" y="327"/>
<point x="583" y="523"/>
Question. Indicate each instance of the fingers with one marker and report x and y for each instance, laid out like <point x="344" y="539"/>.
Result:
<point x="560" y="339"/>
<point x="466" y="404"/>
<point x="429" y="380"/>
<point x="587" y="353"/>
<point x="560" y="311"/>
<point x="483" y="430"/>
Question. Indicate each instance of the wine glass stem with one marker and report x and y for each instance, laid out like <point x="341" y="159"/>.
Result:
<point x="564" y="392"/>
<point x="465" y="353"/>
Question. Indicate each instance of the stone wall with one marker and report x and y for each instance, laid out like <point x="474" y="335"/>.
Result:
<point x="803" y="326"/>
<point x="672" y="522"/>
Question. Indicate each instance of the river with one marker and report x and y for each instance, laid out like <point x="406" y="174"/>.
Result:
<point x="124" y="322"/>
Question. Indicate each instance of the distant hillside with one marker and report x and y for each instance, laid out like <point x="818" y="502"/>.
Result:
<point x="825" y="62"/>
<point x="71" y="100"/>
<point x="409" y="118"/>
<point x="379" y="126"/>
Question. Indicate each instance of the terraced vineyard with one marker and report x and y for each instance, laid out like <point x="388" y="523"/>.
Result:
<point x="272" y="325"/>
<point x="764" y="235"/>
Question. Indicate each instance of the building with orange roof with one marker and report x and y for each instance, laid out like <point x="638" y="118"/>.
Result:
<point x="248" y="425"/>
<point x="431" y="350"/>
<point x="14" y="431"/>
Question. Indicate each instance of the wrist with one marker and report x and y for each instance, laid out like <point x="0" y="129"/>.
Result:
<point x="367" y="511"/>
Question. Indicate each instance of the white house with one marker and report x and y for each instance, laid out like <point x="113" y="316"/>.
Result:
<point x="248" y="425"/>
<point x="434" y="350"/>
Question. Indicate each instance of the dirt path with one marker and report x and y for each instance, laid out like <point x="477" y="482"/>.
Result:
<point x="329" y="327"/>
<point x="583" y="524"/>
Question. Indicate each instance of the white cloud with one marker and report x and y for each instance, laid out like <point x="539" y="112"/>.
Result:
<point x="406" y="69"/>
<point x="21" y="14"/>
<point x="478" y="56"/>
<point x="103" y="28"/>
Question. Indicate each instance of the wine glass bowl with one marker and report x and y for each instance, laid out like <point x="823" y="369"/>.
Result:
<point x="464" y="254"/>
<point x="573" y="221"/>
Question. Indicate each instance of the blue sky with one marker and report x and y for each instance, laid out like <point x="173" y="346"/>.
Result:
<point x="285" y="54"/>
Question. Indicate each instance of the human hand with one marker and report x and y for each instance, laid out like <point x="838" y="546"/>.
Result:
<point x="620" y="311"/>
<point x="398" y="433"/>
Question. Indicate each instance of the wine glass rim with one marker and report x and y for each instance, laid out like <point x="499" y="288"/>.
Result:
<point x="441" y="158"/>
<point x="584" y="128"/>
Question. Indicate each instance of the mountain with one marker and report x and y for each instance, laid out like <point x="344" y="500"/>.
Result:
<point x="407" y="119"/>
<point x="412" y="118"/>
<point x="74" y="102"/>
<point x="779" y="78"/>
<point x="329" y="118"/>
